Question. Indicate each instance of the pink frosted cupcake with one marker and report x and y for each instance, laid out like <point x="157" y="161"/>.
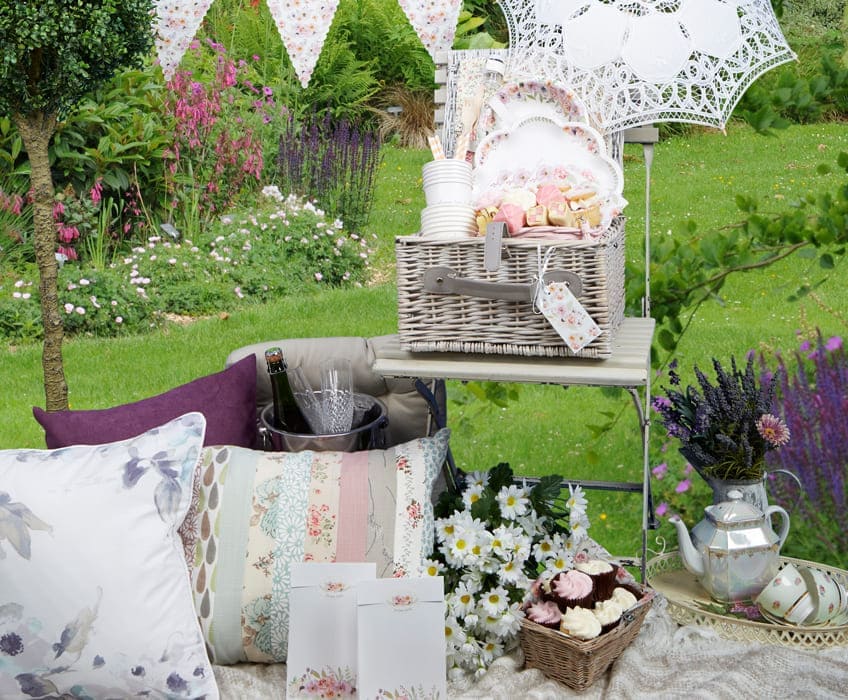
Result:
<point x="602" y="574"/>
<point x="545" y="613"/>
<point x="572" y="589"/>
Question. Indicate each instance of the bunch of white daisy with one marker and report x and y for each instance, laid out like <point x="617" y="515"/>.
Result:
<point x="493" y="540"/>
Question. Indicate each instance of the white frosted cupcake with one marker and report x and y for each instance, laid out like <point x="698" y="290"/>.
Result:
<point x="580" y="623"/>
<point x="608" y="613"/>
<point x="602" y="574"/>
<point x="624" y="598"/>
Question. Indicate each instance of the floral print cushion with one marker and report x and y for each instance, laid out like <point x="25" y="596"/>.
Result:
<point x="94" y="591"/>
<point x="257" y="512"/>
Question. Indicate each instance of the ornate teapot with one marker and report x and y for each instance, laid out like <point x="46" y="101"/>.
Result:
<point x="733" y="551"/>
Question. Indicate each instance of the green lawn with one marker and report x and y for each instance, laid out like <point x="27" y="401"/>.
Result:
<point x="545" y="431"/>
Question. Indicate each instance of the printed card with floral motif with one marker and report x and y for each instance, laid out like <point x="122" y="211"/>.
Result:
<point x="322" y="651"/>
<point x="401" y="633"/>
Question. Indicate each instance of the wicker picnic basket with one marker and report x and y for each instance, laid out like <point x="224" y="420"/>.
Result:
<point x="575" y="663"/>
<point x="491" y="322"/>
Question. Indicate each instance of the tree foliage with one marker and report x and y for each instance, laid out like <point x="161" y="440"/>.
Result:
<point x="53" y="52"/>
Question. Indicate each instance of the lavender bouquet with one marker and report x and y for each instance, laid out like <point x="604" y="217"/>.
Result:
<point x="724" y="427"/>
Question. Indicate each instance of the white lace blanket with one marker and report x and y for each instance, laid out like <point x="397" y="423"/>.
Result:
<point x="664" y="661"/>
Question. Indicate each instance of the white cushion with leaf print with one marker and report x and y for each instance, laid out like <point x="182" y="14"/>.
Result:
<point x="95" y="599"/>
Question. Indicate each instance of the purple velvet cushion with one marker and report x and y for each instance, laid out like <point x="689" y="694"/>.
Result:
<point x="227" y="399"/>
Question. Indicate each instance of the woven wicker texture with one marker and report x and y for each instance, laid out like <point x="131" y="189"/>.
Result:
<point x="575" y="663"/>
<point x="451" y="323"/>
<point x="667" y="574"/>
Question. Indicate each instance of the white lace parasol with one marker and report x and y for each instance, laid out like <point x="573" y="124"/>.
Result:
<point x="636" y="62"/>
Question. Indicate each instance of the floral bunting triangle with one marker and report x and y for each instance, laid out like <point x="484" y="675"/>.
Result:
<point x="434" y="21"/>
<point x="303" y="27"/>
<point x="176" y="23"/>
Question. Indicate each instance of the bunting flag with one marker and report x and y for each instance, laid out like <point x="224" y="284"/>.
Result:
<point x="303" y="27"/>
<point x="175" y="25"/>
<point x="434" y="21"/>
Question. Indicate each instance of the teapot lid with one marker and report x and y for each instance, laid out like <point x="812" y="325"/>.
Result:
<point x="734" y="511"/>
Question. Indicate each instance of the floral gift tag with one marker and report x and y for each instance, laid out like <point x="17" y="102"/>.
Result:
<point x="567" y="315"/>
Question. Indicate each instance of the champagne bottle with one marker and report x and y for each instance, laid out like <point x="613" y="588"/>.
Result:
<point x="287" y="415"/>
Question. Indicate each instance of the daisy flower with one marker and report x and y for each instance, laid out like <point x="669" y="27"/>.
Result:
<point x="510" y="573"/>
<point x="577" y="499"/>
<point x="513" y="501"/>
<point x="494" y="601"/>
<point x="463" y="600"/>
<point x="478" y="479"/>
<point x="472" y="494"/>
<point x="454" y="633"/>
<point x="773" y="430"/>
<point x="433" y="567"/>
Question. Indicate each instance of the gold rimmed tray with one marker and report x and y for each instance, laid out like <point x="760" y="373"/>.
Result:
<point x="689" y="604"/>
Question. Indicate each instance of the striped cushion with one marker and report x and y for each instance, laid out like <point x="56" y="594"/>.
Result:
<point x="257" y="512"/>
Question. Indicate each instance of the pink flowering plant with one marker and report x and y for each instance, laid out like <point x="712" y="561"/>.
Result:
<point x="725" y="426"/>
<point x="494" y="537"/>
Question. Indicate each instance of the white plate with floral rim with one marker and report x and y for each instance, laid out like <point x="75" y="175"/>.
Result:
<point x="576" y="148"/>
<point x="514" y="102"/>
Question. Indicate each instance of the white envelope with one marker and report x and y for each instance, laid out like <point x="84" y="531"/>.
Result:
<point x="401" y="634"/>
<point x="322" y="656"/>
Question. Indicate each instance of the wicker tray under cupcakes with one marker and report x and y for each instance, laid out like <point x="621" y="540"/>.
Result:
<point x="577" y="663"/>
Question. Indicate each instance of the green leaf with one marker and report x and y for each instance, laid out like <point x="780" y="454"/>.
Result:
<point x="826" y="262"/>
<point x="666" y="340"/>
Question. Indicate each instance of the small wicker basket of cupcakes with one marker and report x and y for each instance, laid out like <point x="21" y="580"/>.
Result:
<point x="578" y="622"/>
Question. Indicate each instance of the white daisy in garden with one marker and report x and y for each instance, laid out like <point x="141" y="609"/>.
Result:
<point x="472" y="494"/>
<point x="502" y="541"/>
<point x="562" y="562"/>
<point x="494" y="601"/>
<point x="463" y="600"/>
<point x="547" y="547"/>
<point x="521" y="548"/>
<point x="432" y="567"/>
<point x="510" y="573"/>
<point x="576" y="499"/>
<point x="513" y="501"/>
<point x="477" y="479"/>
<point x="531" y="524"/>
<point x="492" y="649"/>
<point x="578" y="529"/>
<point x="445" y="527"/>
<point x="459" y="548"/>
<point x="454" y="633"/>
<point x="509" y="623"/>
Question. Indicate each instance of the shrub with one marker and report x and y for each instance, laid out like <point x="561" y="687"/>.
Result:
<point x="812" y="397"/>
<point x="333" y="161"/>
<point x="287" y="246"/>
<point x="216" y="152"/>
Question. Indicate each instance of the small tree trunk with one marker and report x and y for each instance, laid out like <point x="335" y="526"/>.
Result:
<point x="36" y="130"/>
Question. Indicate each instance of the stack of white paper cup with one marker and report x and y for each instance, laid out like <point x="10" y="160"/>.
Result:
<point x="447" y="193"/>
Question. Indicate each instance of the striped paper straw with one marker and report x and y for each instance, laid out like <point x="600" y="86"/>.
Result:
<point x="462" y="144"/>
<point x="436" y="147"/>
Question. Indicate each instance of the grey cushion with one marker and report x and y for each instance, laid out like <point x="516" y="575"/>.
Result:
<point x="408" y="412"/>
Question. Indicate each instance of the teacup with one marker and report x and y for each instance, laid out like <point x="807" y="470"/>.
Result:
<point x="827" y="595"/>
<point x="786" y="596"/>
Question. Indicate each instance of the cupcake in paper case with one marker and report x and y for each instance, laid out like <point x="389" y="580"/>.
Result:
<point x="580" y="623"/>
<point x="544" y="613"/>
<point x="572" y="589"/>
<point x="608" y="613"/>
<point x="602" y="574"/>
<point x="624" y="597"/>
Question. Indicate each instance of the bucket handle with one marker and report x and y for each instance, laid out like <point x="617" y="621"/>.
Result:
<point x="801" y="489"/>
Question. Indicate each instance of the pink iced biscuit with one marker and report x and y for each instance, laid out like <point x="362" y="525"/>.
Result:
<point x="513" y="215"/>
<point x="548" y="194"/>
